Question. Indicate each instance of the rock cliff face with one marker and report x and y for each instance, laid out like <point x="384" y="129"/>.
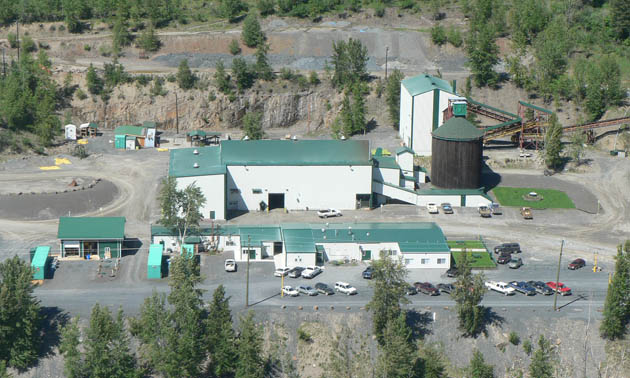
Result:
<point x="314" y="107"/>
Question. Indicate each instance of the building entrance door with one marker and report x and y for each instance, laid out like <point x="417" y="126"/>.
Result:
<point x="276" y="201"/>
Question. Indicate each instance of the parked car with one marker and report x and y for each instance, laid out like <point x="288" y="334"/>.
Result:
<point x="447" y="208"/>
<point x="311" y="271"/>
<point x="426" y="288"/>
<point x="500" y="287"/>
<point x="367" y="273"/>
<point x="322" y="288"/>
<point x="345" y="288"/>
<point x="515" y="263"/>
<point x="303" y="289"/>
<point x="230" y="265"/>
<point x="504" y="258"/>
<point x="484" y="211"/>
<point x="508" y="247"/>
<point x="411" y="290"/>
<point x="290" y="291"/>
<point x="541" y="287"/>
<point x="452" y="272"/>
<point x="559" y="287"/>
<point x="496" y="209"/>
<point x="577" y="264"/>
<point x="327" y="213"/>
<point x="432" y="208"/>
<point x="280" y="272"/>
<point x="523" y="287"/>
<point x="296" y="272"/>
<point x="445" y="288"/>
<point x="526" y="212"/>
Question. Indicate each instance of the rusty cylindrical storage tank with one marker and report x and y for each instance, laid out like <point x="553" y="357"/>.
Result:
<point x="457" y="154"/>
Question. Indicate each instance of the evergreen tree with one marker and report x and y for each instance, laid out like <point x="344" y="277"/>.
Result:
<point x="478" y="367"/>
<point x="148" y="40"/>
<point x="93" y="81"/>
<point x="347" y="125"/>
<point x="483" y="54"/>
<point x="349" y="62"/>
<point x="616" y="311"/>
<point x="621" y="17"/>
<point x="358" y="109"/>
<point x="433" y="365"/>
<point x="69" y="349"/>
<point x="220" y="337"/>
<point x="221" y="78"/>
<point x="242" y="74"/>
<point x="553" y="143"/>
<point x="20" y="318"/>
<point x="250" y="361"/>
<point x="392" y="96"/>
<point x="389" y="282"/>
<point x="262" y="66"/>
<point x="399" y="356"/>
<point x="541" y="365"/>
<point x="185" y="77"/>
<point x="252" y="125"/>
<point x="468" y="293"/>
<point x="252" y="34"/>
<point x="231" y="9"/>
<point x="121" y="36"/>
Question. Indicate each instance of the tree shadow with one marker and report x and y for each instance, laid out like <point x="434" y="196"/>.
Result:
<point x="371" y="125"/>
<point x="490" y="317"/>
<point x="53" y="320"/>
<point x="418" y="323"/>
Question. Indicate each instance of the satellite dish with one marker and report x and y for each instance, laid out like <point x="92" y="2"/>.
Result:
<point x="343" y="137"/>
<point x="195" y="165"/>
<point x="294" y="138"/>
<point x="196" y="152"/>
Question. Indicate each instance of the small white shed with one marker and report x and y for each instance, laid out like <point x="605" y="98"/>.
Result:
<point x="71" y="132"/>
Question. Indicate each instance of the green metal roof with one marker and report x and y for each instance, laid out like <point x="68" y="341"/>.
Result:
<point x="129" y="130"/>
<point x="155" y="254"/>
<point x="440" y="192"/>
<point x="41" y="255"/>
<point x="458" y="129"/>
<point x="298" y="240"/>
<point x="182" y="162"/>
<point x="255" y="235"/>
<point x="295" y="152"/>
<point x="385" y="162"/>
<point x="404" y="149"/>
<point x="424" y="83"/>
<point x="91" y="228"/>
<point x="93" y="125"/>
<point x="199" y="133"/>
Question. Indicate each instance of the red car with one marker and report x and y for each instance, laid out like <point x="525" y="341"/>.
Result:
<point x="560" y="288"/>
<point x="577" y="264"/>
<point x="426" y="288"/>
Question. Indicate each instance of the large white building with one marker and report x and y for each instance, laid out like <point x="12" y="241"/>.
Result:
<point x="418" y="245"/>
<point x="423" y="100"/>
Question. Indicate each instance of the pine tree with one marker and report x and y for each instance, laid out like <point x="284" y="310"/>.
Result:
<point x="69" y="348"/>
<point x="252" y="34"/>
<point x="358" y="109"/>
<point x="250" y="361"/>
<point x="220" y="338"/>
<point x="483" y="54"/>
<point x="616" y="311"/>
<point x="262" y="66"/>
<point x="242" y="74"/>
<point x="231" y="9"/>
<point x="621" y="17"/>
<point x="148" y="40"/>
<point x="20" y="319"/>
<point x="121" y="36"/>
<point x="553" y="143"/>
<point x="185" y="77"/>
<point x="541" y="365"/>
<point x="347" y="124"/>
<point x="94" y="82"/>
<point x="399" y="356"/>
<point x="478" y="367"/>
<point x="392" y="97"/>
<point x="221" y="78"/>
<point x="432" y="363"/>
<point x="468" y="293"/>
<point x="252" y="125"/>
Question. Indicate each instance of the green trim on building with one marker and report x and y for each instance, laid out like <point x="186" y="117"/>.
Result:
<point x="535" y="107"/>
<point x="298" y="240"/>
<point x="388" y="162"/>
<point x="436" y="108"/>
<point x="424" y="83"/>
<point x="129" y="130"/>
<point x="401" y="150"/>
<point x="413" y="107"/>
<point x="458" y="129"/>
<point x="182" y="162"/>
<point x="91" y="228"/>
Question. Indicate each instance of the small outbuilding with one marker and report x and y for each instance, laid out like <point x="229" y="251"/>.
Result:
<point x="88" y="129"/>
<point x="40" y="263"/>
<point x="91" y="237"/>
<point x="154" y="263"/>
<point x="70" y="132"/>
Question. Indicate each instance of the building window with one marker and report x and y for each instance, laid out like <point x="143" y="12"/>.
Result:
<point x="235" y="191"/>
<point x="424" y="261"/>
<point x="257" y="191"/>
<point x="441" y="261"/>
<point x="408" y="261"/>
<point x="229" y="243"/>
<point x="233" y="203"/>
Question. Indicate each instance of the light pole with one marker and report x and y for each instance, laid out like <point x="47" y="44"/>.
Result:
<point x="555" y="296"/>
<point x="386" y="55"/>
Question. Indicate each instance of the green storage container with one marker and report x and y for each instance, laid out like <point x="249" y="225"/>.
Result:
<point x="120" y="142"/>
<point x="459" y="110"/>
<point x="154" y="263"/>
<point x="40" y="263"/>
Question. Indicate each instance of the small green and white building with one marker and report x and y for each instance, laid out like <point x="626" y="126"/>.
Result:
<point x="419" y="245"/>
<point x="91" y="237"/>
<point x="40" y="262"/>
<point x="154" y="262"/>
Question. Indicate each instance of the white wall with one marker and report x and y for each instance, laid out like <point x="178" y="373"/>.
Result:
<point x="353" y="251"/>
<point x="304" y="187"/>
<point x="404" y="131"/>
<point x="414" y="260"/>
<point x="300" y="259"/>
<point x="213" y="188"/>
<point x="422" y="123"/>
<point x="405" y="160"/>
<point x="388" y="175"/>
<point x="395" y="193"/>
<point x="476" y="201"/>
<point x="455" y="201"/>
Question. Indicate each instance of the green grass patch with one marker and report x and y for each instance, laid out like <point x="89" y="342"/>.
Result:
<point x="478" y="260"/>
<point x="468" y="244"/>
<point x="552" y="199"/>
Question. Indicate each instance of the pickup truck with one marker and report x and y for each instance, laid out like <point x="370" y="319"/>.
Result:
<point x="500" y="287"/>
<point x="327" y="213"/>
<point x="523" y="287"/>
<point x="559" y="287"/>
<point x="485" y="211"/>
<point x="230" y="265"/>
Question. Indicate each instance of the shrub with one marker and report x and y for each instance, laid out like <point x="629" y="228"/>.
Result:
<point x="143" y="80"/>
<point x="87" y="47"/>
<point x="313" y="79"/>
<point x="438" y="35"/>
<point x="105" y="50"/>
<point x="235" y="49"/>
<point x="62" y="27"/>
<point x="157" y="89"/>
<point x="212" y="96"/>
<point x="286" y="74"/>
<point x="527" y="347"/>
<point x="304" y="335"/>
<point x="379" y="9"/>
<point x="454" y="36"/>
<point x="266" y="7"/>
<point x="514" y="338"/>
<point x="80" y="94"/>
<point x="52" y="28"/>
<point x="407" y="4"/>
<point x="302" y="81"/>
<point x="12" y="38"/>
<point x="171" y="78"/>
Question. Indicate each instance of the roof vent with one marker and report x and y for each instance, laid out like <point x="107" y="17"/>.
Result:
<point x="196" y="152"/>
<point x="294" y="138"/>
<point x="323" y="230"/>
<point x="367" y="234"/>
<point x="343" y="137"/>
<point x="195" y="165"/>
<point x="246" y="137"/>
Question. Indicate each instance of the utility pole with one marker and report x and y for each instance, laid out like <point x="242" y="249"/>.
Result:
<point x="247" y="279"/>
<point x="17" y="23"/>
<point x="555" y="296"/>
<point x="4" y="66"/>
<point x="177" y="118"/>
<point x="386" y="55"/>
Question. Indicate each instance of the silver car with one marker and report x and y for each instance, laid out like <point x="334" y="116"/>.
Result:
<point x="307" y="290"/>
<point x="515" y="263"/>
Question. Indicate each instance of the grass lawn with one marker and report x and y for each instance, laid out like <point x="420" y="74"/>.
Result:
<point x="552" y="199"/>
<point x="468" y="244"/>
<point x="479" y="260"/>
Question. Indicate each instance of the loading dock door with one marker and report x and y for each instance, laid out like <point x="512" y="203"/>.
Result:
<point x="276" y="201"/>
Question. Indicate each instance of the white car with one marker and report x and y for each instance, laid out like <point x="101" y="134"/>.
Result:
<point x="327" y="213"/>
<point x="290" y="291"/>
<point x="311" y="271"/>
<point x="500" y="287"/>
<point x="230" y="265"/>
<point x="433" y="208"/>
<point x="345" y="288"/>
<point x="280" y="272"/>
